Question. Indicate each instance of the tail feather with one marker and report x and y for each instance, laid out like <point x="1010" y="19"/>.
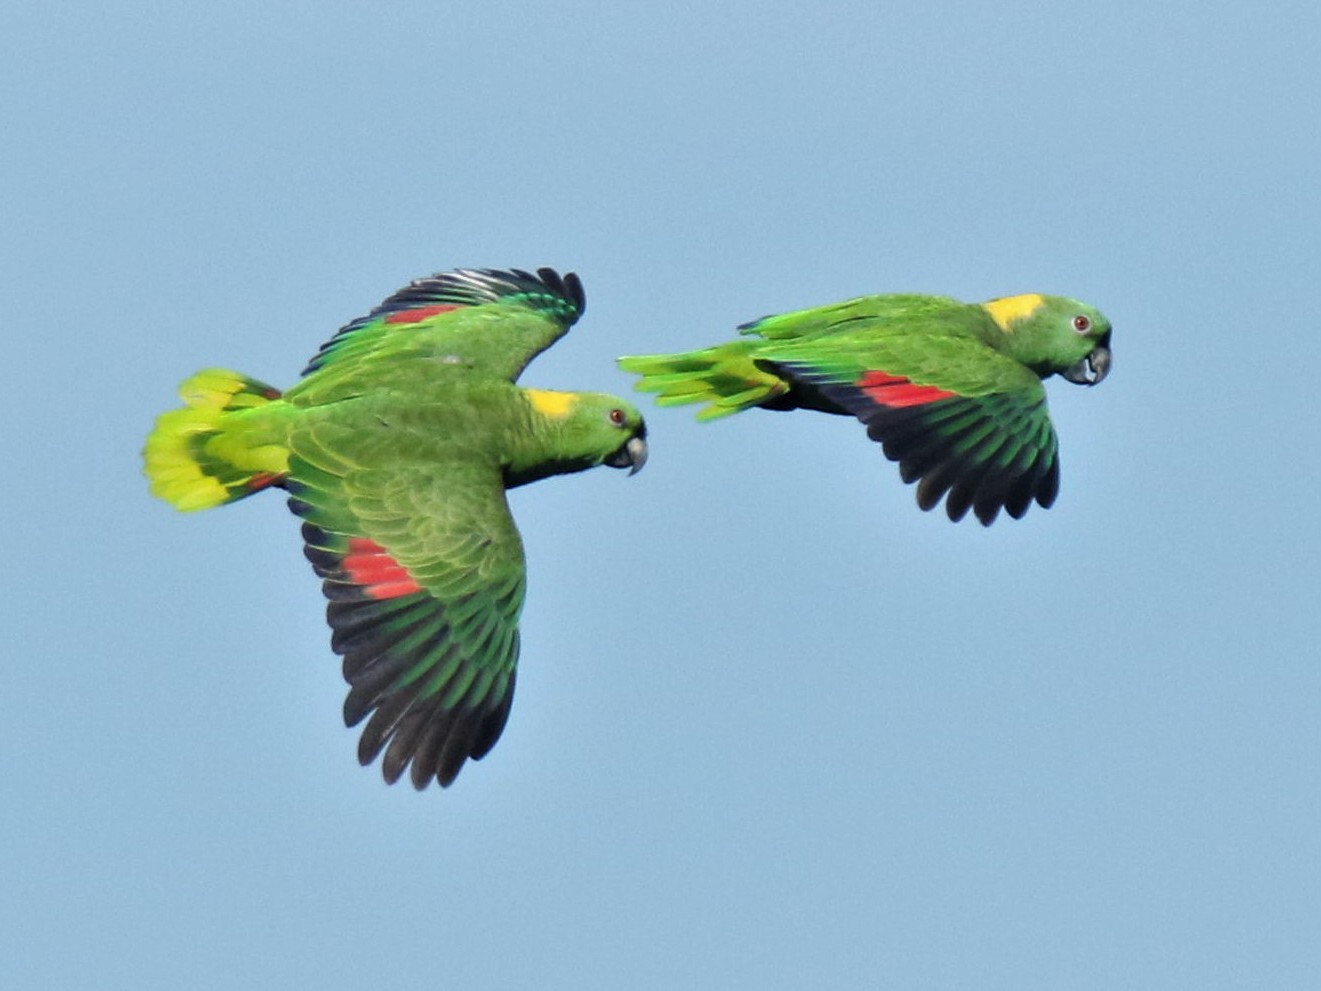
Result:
<point x="726" y="377"/>
<point x="211" y="451"/>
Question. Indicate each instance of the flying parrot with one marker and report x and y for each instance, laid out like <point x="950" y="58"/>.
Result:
<point x="396" y="448"/>
<point x="952" y="391"/>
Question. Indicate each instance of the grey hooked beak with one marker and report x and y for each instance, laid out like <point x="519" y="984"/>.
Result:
<point x="632" y="456"/>
<point x="1090" y="370"/>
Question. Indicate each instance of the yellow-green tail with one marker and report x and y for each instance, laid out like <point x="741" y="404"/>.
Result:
<point x="213" y="451"/>
<point x="726" y="377"/>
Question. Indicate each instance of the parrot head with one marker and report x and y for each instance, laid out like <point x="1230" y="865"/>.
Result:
<point x="1054" y="335"/>
<point x="581" y="430"/>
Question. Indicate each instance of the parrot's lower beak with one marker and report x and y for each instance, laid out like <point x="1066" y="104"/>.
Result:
<point x="632" y="455"/>
<point x="1090" y="370"/>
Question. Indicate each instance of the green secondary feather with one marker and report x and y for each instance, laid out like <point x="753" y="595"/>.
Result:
<point x="952" y="391"/>
<point x="396" y="449"/>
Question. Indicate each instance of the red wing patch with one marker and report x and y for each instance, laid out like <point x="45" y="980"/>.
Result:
<point x="420" y="313"/>
<point x="262" y="480"/>
<point x="381" y="576"/>
<point x="895" y="391"/>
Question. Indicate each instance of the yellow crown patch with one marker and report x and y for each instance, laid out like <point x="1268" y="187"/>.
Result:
<point x="1011" y="309"/>
<point x="555" y="405"/>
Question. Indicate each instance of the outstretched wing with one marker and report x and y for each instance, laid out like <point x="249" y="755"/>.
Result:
<point x="424" y="571"/>
<point x="966" y="422"/>
<point x="492" y="322"/>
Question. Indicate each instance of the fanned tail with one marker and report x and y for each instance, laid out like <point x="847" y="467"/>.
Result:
<point x="213" y="451"/>
<point x="725" y="377"/>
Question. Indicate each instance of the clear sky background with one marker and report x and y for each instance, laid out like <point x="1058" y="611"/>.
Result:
<point x="775" y="727"/>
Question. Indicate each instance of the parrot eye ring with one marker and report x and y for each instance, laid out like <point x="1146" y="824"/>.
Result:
<point x="617" y="417"/>
<point x="1081" y="324"/>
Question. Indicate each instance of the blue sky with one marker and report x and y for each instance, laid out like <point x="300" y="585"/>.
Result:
<point x="775" y="727"/>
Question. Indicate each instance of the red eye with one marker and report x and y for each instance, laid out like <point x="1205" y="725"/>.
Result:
<point x="617" y="417"/>
<point x="1081" y="324"/>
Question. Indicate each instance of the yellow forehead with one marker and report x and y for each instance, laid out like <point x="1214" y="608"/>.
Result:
<point x="1009" y="310"/>
<point x="555" y="405"/>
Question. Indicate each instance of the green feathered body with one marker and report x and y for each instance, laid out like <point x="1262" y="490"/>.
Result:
<point x="953" y="391"/>
<point x="396" y="449"/>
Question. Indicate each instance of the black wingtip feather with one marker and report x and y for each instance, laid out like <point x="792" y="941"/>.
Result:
<point x="569" y="287"/>
<point x="1050" y="486"/>
<point x="370" y="684"/>
<point x="422" y="770"/>
<point x="457" y="747"/>
<point x="494" y="723"/>
<point x="958" y="502"/>
<point x="930" y="490"/>
<point x="403" y="746"/>
<point x="379" y="727"/>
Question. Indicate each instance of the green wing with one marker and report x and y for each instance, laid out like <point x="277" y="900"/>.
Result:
<point x="484" y="321"/>
<point x="968" y="423"/>
<point x="424" y="571"/>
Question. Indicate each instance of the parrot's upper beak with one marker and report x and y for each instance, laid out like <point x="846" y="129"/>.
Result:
<point x="631" y="455"/>
<point x="1093" y="368"/>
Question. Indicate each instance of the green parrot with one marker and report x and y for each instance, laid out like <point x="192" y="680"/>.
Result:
<point x="952" y="391"/>
<point x="396" y="448"/>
